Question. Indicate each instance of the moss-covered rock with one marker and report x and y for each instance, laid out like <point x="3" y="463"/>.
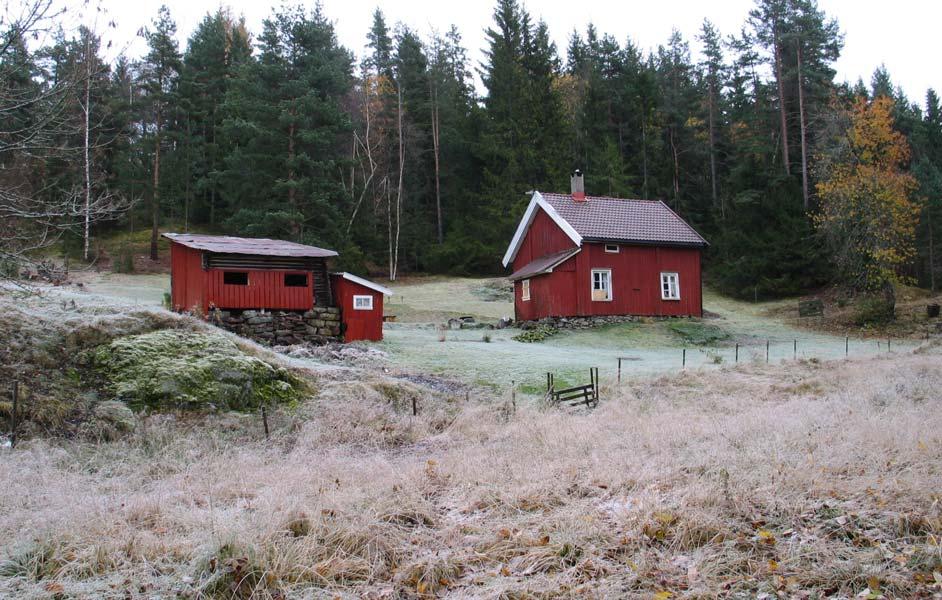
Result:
<point x="185" y="369"/>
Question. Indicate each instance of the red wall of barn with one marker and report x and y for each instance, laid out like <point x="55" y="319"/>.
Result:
<point x="636" y="281"/>
<point x="266" y="289"/>
<point x="193" y="287"/>
<point x="358" y="324"/>
<point x="186" y="278"/>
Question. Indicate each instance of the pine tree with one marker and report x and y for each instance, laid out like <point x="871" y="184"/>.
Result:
<point x="160" y="70"/>
<point x="284" y="128"/>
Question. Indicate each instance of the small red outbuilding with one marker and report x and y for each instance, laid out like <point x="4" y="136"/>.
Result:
<point x="235" y="274"/>
<point x="361" y="304"/>
<point x="575" y="255"/>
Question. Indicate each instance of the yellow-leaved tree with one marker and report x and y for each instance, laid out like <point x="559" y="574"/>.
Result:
<point x="867" y="212"/>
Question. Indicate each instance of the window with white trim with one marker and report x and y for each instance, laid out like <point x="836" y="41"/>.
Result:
<point x="363" y="303"/>
<point x="525" y="290"/>
<point x="601" y="285"/>
<point x="670" y="286"/>
<point x="612" y="248"/>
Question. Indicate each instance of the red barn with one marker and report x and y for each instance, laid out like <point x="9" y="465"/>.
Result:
<point x="578" y="256"/>
<point x="213" y="271"/>
<point x="361" y="303"/>
<point x="288" y="282"/>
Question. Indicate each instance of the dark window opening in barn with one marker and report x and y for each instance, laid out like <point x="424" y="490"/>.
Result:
<point x="235" y="278"/>
<point x="295" y="279"/>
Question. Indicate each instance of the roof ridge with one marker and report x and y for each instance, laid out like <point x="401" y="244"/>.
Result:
<point x="604" y="197"/>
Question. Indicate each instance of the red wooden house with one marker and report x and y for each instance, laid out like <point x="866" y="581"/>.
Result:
<point x="577" y="255"/>
<point x="236" y="274"/>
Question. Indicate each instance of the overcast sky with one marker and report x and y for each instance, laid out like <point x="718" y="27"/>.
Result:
<point x="900" y="35"/>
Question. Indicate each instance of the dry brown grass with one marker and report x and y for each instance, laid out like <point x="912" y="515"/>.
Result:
<point x="797" y="480"/>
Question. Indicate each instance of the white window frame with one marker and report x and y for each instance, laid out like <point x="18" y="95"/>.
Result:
<point x="612" y="248"/>
<point x="358" y="297"/>
<point x="592" y="289"/>
<point x="525" y="290"/>
<point x="672" y="291"/>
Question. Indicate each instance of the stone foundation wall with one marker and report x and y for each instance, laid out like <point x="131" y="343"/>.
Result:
<point x="319" y="325"/>
<point x="576" y="322"/>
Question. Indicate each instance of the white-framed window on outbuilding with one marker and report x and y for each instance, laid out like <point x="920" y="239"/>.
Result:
<point x="363" y="303"/>
<point x="525" y="290"/>
<point x="670" y="286"/>
<point x="612" y="248"/>
<point x="601" y="285"/>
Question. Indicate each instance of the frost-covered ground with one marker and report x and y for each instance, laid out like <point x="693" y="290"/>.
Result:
<point x="648" y="347"/>
<point x="422" y="304"/>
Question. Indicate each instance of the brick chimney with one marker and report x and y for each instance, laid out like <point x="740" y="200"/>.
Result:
<point x="577" y="184"/>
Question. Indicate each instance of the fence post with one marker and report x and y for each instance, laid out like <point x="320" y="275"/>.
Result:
<point x="15" y="417"/>
<point x="683" y="360"/>
<point x="737" y="352"/>
<point x="619" y="369"/>
<point x="415" y="407"/>
<point x="265" y="420"/>
<point x="795" y="350"/>
<point x="513" y="395"/>
<point x="766" y="351"/>
<point x="888" y="344"/>
<point x="846" y="345"/>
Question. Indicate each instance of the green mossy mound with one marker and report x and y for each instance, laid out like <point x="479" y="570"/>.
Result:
<point x="190" y="370"/>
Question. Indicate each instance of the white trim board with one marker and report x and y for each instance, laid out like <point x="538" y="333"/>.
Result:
<point x="537" y="201"/>
<point x="366" y="283"/>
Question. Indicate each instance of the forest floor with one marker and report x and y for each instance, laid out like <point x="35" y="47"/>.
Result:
<point x="801" y="479"/>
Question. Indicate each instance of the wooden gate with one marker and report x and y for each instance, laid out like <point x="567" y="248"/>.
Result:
<point x="574" y="396"/>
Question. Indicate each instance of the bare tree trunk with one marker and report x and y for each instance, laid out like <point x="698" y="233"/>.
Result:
<point x="155" y="197"/>
<point x="804" y="144"/>
<point x="644" y="158"/>
<point x="436" y="149"/>
<point x="402" y="162"/>
<point x="712" y="107"/>
<point x="676" y="158"/>
<point x="88" y="169"/>
<point x="932" y="287"/>
<point x="292" y="196"/>
<point x="781" y="98"/>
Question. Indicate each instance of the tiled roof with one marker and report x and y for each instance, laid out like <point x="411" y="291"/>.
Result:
<point x="255" y="246"/>
<point x="613" y="219"/>
<point x="544" y="264"/>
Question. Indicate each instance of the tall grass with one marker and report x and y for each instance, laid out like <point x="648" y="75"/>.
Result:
<point x="800" y="480"/>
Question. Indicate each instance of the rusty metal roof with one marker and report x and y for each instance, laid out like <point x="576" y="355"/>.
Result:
<point x="255" y="246"/>
<point x="603" y="218"/>
<point x="544" y="264"/>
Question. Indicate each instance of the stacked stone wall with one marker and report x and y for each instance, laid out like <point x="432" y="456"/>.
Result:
<point x="319" y="325"/>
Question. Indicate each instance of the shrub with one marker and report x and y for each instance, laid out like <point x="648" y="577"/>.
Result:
<point x="874" y="310"/>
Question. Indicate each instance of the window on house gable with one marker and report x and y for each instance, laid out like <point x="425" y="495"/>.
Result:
<point x="612" y="248"/>
<point x="363" y="303"/>
<point x="601" y="285"/>
<point x="235" y="278"/>
<point x="670" y="286"/>
<point x="525" y="290"/>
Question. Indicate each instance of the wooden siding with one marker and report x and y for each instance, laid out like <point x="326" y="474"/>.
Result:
<point x="197" y="289"/>
<point x="186" y="278"/>
<point x="636" y="279"/>
<point x="544" y="237"/>
<point x="266" y="289"/>
<point x="358" y="324"/>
